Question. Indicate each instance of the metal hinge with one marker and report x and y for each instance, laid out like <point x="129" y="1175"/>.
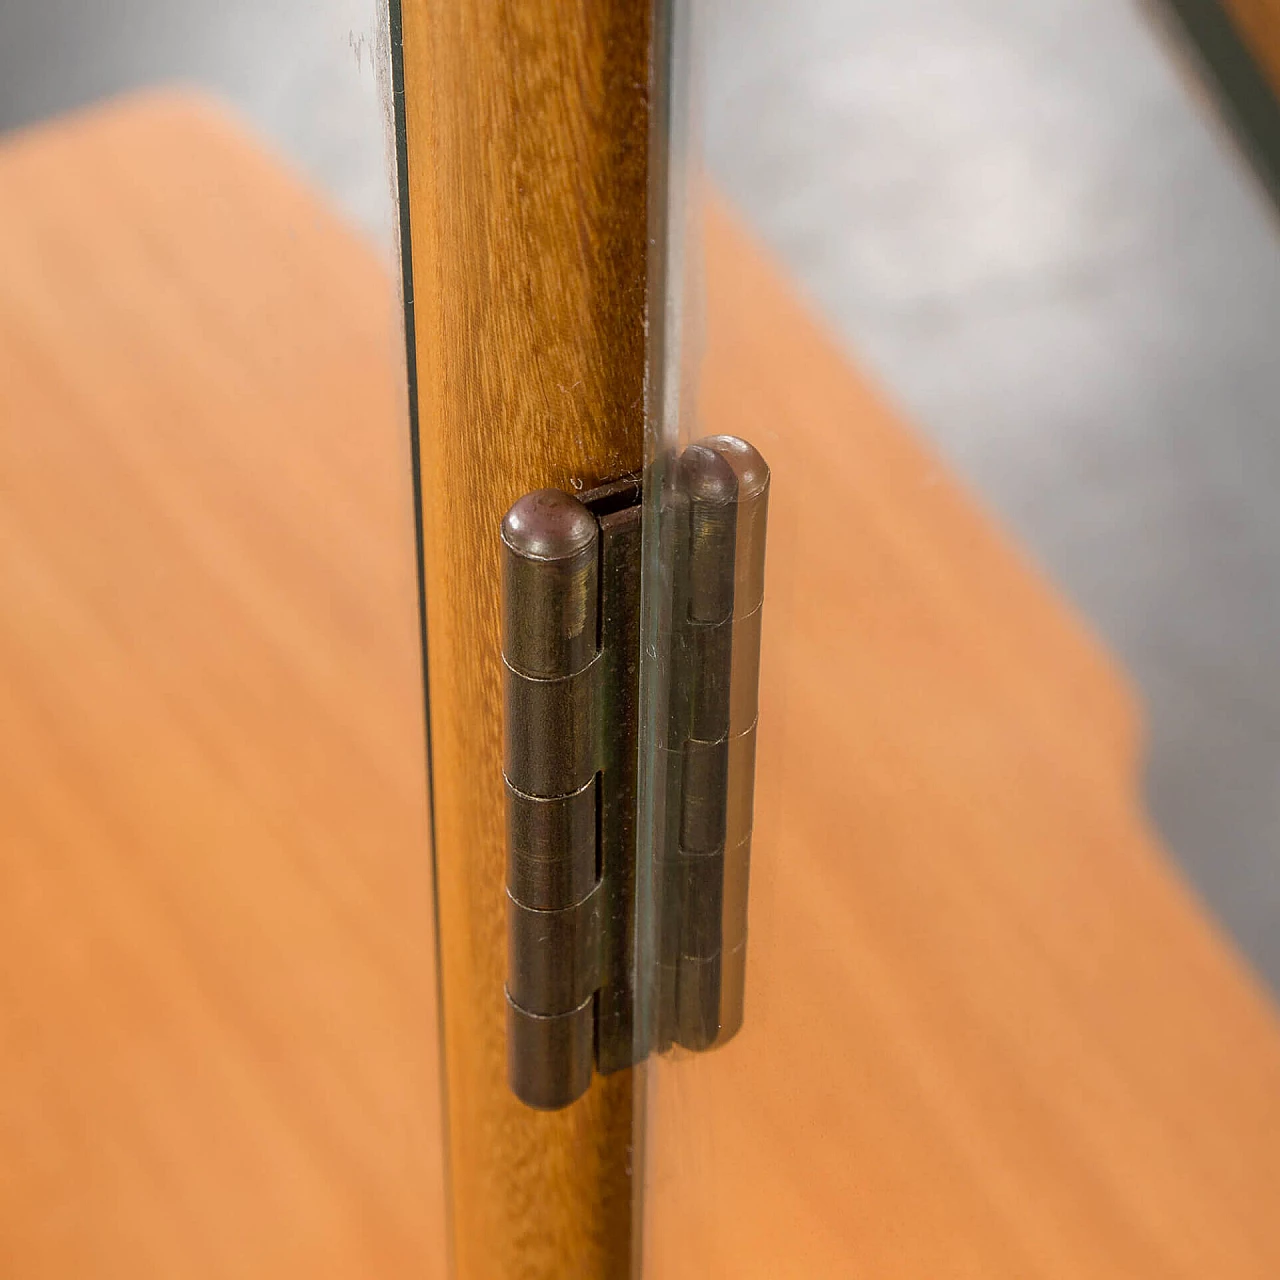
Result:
<point x="571" y="659"/>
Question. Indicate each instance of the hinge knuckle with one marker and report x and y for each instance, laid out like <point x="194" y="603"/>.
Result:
<point x="550" y="593"/>
<point x="698" y="1001"/>
<point x="710" y="489"/>
<point x="551" y="847"/>
<point x="703" y="811"/>
<point x="551" y="744"/>
<point x="549" y="1058"/>
<point x="555" y="955"/>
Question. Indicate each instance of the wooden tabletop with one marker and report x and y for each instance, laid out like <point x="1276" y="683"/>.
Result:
<point x="989" y="1031"/>
<point x="217" y="1049"/>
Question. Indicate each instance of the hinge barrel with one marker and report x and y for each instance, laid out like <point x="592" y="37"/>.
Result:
<point x="551" y="756"/>
<point x="748" y="612"/>
<point x="698" y="747"/>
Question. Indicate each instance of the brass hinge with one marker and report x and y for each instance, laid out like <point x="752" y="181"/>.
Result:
<point x="571" y="662"/>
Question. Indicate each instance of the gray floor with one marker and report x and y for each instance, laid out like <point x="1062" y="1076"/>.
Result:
<point x="1019" y="217"/>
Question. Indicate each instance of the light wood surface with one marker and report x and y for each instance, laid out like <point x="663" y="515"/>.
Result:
<point x="217" y="1027"/>
<point x="526" y="132"/>
<point x="989" y="1032"/>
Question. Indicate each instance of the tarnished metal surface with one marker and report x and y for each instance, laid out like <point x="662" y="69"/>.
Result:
<point x="571" y="593"/>
<point x="748" y="605"/>
<point x="550" y="578"/>
<point x="571" y="575"/>
<point x="692" y="859"/>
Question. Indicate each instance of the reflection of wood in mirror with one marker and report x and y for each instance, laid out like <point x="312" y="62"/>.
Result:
<point x="526" y="129"/>
<point x="988" y="1030"/>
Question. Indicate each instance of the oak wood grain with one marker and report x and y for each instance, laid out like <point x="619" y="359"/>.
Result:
<point x="217" y="1013"/>
<point x="526" y="132"/>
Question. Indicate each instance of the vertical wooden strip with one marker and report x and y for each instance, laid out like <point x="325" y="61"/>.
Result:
<point x="525" y="137"/>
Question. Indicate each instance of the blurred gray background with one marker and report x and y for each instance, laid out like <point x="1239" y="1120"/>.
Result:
<point x="1018" y="216"/>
